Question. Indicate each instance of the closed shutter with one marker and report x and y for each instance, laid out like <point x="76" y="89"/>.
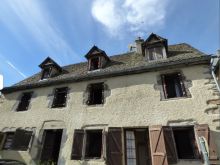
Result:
<point x="203" y="130"/>
<point x="2" y="139"/>
<point x="164" y="86"/>
<point x="21" y="139"/>
<point x="157" y="145"/>
<point x="182" y="84"/>
<point x="170" y="145"/>
<point x="77" y="144"/>
<point x="114" y="145"/>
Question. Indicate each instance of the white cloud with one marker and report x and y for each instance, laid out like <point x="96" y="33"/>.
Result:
<point x="16" y="69"/>
<point x="36" y="20"/>
<point x="135" y="16"/>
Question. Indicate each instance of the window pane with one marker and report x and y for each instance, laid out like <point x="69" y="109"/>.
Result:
<point x="159" y="52"/>
<point x="60" y="97"/>
<point x="151" y="54"/>
<point x="24" y="102"/>
<point x="130" y="148"/>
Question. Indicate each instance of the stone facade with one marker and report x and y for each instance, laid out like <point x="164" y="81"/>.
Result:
<point x="130" y="101"/>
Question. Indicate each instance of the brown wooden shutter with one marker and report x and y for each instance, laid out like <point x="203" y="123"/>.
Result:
<point x="182" y="84"/>
<point x="203" y="130"/>
<point x="170" y="145"/>
<point x="2" y="139"/>
<point x="157" y="145"/>
<point x="114" y="145"/>
<point x="77" y="144"/>
<point x="21" y="140"/>
<point x="164" y="86"/>
<point x="103" y="93"/>
<point x="88" y="92"/>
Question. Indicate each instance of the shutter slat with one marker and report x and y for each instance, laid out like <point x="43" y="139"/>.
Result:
<point x="77" y="144"/>
<point x="170" y="145"/>
<point x="114" y="143"/>
<point x="157" y="145"/>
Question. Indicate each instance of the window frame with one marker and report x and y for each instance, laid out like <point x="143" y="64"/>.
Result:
<point x="154" y="56"/>
<point x="46" y="69"/>
<point x="84" y="144"/>
<point x="181" y="83"/>
<point x="21" y="102"/>
<point x="55" y="96"/>
<point x="90" y="101"/>
<point x="91" y="66"/>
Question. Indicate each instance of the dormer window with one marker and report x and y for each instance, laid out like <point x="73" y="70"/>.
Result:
<point x="97" y="58"/>
<point x="46" y="73"/>
<point x="94" y="63"/>
<point x="49" y="68"/>
<point x="155" y="53"/>
<point x="154" y="48"/>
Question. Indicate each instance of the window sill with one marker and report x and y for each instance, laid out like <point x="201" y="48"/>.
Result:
<point x="176" y="98"/>
<point x="95" y="105"/>
<point x="96" y="70"/>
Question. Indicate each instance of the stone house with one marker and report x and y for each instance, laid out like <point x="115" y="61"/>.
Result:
<point x="144" y="107"/>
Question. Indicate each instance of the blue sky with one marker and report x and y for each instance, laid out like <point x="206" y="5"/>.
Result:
<point x="31" y="30"/>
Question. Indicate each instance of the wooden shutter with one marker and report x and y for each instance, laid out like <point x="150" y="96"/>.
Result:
<point x="203" y="130"/>
<point x="104" y="88"/>
<point x="164" y="86"/>
<point x="2" y="139"/>
<point x="21" y="139"/>
<point x="157" y="145"/>
<point x="170" y="145"/>
<point x="182" y="84"/>
<point x="88" y="93"/>
<point x="77" y="144"/>
<point x="114" y="145"/>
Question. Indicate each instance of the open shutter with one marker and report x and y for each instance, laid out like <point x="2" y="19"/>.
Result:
<point x="88" y="94"/>
<point x="170" y="145"/>
<point x="21" y="139"/>
<point x="104" y="88"/>
<point x="164" y="86"/>
<point x="182" y="84"/>
<point x="157" y="145"/>
<point x="203" y="130"/>
<point x="114" y="154"/>
<point x="2" y="139"/>
<point x="77" y="144"/>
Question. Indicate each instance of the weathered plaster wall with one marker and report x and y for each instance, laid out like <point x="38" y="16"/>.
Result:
<point x="133" y="101"/>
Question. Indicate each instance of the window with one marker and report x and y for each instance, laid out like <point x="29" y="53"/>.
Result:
<point x="87" y="144"/>
<point x="18" y="140"/>
<point x="94" y="63"/>
<point x="8" y="141"/>
<point x="60" y="97"/>
<point x="137" y="147"/>
<point x="185" y="143"/>
<point x="93" y="144"/>
<point x="24" y="102"/>
<point x="155" y="53"/>
<point x="96" y="94"/>
<point x="46" y="73"/>
<point x="173" y="86"/>
<point x="180" y="143"/>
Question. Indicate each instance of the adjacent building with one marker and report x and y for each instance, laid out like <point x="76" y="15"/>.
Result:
<point x="144" y="107"/>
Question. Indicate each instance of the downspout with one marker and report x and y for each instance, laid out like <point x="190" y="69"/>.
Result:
<point x="213" y="74"/>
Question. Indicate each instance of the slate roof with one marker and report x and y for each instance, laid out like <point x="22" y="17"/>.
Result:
<point x="123" y="64"/>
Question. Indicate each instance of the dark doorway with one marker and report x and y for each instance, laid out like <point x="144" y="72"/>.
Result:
<point x="51" y="146"/>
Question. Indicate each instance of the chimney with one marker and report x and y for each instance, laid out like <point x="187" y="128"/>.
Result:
<point x="139" y="41"/>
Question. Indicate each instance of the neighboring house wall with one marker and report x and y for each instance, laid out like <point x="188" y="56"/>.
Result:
<point x="133" y="100"/>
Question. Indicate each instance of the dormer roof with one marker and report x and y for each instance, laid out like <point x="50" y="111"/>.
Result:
<point x="95" y="51"/>
<point x="154" y="39"/>
<point x="49" y="62"/>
